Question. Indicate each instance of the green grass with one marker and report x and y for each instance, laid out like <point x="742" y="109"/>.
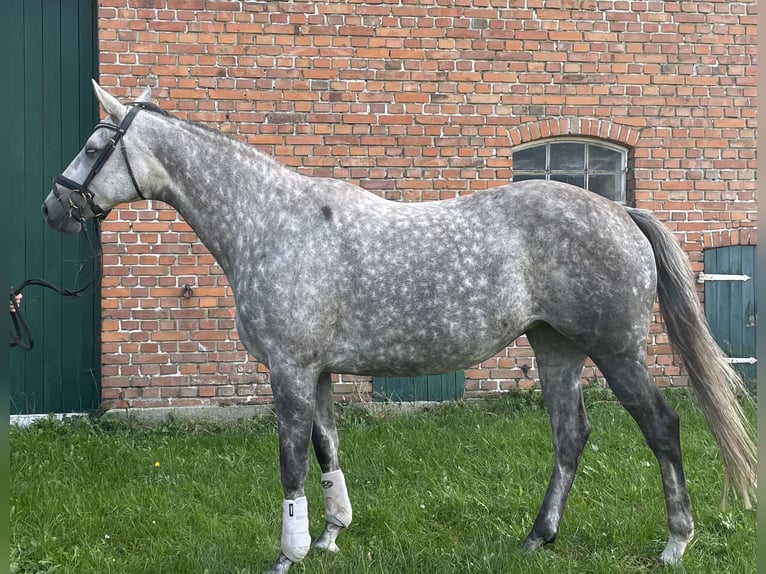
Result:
<point x="450" y="490"/>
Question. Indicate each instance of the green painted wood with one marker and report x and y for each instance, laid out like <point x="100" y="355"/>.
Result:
<point x="735" y="313"/>
<point x="748" y="324"/>
<point x="730" y="306"/>
<point x="53" y="359"/>
<point x="713" y="296"/>
<point x="55" y="44"/>
<point x="70" y="138"/>
<point x="749" y="299"/>
<point x="89" y="391"/>
<point x="26" y="392"/>
<point x="13" y="123"/>
<point x="443" y="387"/>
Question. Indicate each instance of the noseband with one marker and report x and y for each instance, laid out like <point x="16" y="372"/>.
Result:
<point x="82" y="188"/>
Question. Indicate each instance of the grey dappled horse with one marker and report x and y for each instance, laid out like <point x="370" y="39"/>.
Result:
<point x="329" y="278"/>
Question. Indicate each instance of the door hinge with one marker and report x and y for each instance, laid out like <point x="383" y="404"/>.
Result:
<point x="741" y="360"/>
<point x="702" y="277"/>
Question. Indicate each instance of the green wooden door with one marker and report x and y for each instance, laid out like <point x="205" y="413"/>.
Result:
<point x="730" y="307"/>
<point x="52" y="111"/>
<point x="448" y="386"/>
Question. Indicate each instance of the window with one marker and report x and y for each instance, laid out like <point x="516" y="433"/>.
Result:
<point x="597" y="166"/>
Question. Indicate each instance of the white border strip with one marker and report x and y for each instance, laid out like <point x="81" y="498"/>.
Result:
<point x="26" y="420"/>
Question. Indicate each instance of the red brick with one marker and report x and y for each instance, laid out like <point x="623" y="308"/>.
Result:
<point x="427" y="103"/>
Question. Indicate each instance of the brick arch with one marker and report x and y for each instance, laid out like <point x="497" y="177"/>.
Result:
<point x="588" y="127"/>
<point x="725" y="237"/>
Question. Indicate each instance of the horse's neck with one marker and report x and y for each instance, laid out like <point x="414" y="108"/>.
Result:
<point x="225" y="190"/>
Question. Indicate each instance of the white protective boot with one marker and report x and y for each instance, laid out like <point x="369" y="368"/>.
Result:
<point x="296" y="539"/>
<point x="337" y="506"/>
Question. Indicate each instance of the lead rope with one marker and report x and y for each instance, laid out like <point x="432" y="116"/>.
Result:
<point x="20" y="333"/>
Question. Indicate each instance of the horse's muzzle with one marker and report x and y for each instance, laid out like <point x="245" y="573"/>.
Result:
<point x="57" y="216"/>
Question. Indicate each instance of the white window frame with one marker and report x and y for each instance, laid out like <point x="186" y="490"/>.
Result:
<point x="582" y="140"/>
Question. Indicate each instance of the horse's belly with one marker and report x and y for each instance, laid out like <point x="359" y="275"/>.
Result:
<point x="402" y="361"/>
<point x="419" y="347"/>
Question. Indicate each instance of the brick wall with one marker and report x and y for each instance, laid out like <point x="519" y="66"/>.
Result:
<point x="413" y="100"/>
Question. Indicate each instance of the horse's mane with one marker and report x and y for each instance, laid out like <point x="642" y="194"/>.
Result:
<point x="215" y="133"/>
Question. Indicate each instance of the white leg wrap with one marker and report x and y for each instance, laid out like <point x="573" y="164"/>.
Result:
<point x="296" y="539"/>
<point x="337" y="506"/>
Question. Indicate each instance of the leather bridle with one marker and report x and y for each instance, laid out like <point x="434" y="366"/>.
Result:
<point x="81" y="189"/>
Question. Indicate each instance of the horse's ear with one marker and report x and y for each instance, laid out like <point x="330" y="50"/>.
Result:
<point x="146" y="96"/>
<point x="110" y="104"/>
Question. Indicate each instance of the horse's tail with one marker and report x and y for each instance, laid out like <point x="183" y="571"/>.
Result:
<point x="715" y="383"/>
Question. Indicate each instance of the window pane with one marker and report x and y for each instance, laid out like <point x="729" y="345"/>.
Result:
<point x="568" y="156"/>
<point x="610" y="186"/>
<point x="525" y="176"/>
<point x="604" y="159"/>
<point x="573" y="178"/>
<point x="530" y="159"/>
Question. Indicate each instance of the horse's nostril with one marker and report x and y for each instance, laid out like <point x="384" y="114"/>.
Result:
<point x="45" y="210"/>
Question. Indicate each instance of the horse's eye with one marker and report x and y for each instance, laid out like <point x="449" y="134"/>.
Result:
<point x="91" y="151"/>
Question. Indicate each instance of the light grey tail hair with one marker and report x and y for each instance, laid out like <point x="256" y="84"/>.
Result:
<point x="715" y="384"/>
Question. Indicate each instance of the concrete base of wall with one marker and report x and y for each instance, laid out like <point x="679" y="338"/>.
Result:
<point x="232" y="414"/>
<point x="195" y="414"/>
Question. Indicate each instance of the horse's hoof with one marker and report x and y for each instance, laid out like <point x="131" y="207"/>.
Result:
<point x="672" y="554"/>
<point x="281" y="566"/>
<point x="326" y="542"/>
<point x="326" y="545"/>
<point x="675" y="548"/>
<point x="534" y="541"/>
<point x="530" y="544"/>
<point x="669" y="558"/>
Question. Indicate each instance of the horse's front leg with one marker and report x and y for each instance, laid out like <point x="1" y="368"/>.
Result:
<point x="324" y="435"/>
<point x="294" y="391"/>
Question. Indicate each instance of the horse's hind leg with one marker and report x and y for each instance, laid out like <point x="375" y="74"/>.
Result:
<point x="560" y="365"/>
<point x="632" y="384"/>
<point x="325" y="438"/>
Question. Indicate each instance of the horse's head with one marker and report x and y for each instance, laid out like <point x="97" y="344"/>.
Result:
<point x="97" y="179"/>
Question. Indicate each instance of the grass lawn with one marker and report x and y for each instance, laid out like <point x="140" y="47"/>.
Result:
<point x="450" y="490"/>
